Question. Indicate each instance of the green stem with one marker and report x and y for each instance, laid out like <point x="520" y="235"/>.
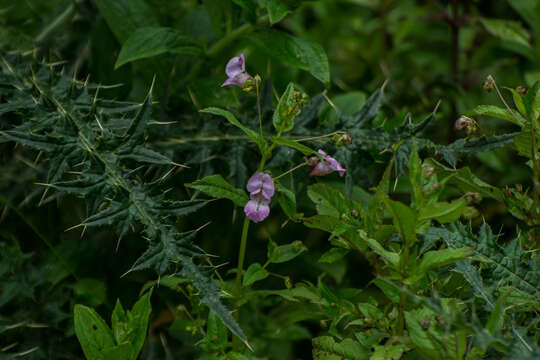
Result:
<point x="63" y="18"/>
<point x="241" y="256"/>
<point x="290" y="170"/>
<point x="259" y="108"/>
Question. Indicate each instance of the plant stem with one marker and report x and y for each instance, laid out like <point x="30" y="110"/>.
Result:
<point x="241" y="255"/>
<point x="290" y="170"/>
<point x="259" y="107"/>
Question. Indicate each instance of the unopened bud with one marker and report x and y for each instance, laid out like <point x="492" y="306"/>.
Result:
<point x="489" y="83"/>
<point x="521" y="90"/>
<point x="288" y="283"/>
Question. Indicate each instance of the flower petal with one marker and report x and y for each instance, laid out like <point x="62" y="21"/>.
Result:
<point x="327" y="166"/>
<point x="235" y="66"/>
<point x="262" y="184"/>
<point x="257" y="209"/>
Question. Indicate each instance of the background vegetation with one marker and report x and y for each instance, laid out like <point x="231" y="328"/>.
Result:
<point x="426" y="248"/>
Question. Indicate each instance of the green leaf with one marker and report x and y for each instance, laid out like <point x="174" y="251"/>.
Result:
<point x="465" y="180"/>
<point x="277" y="10"/>
<point x="120" y="352"/>
<point x="284" y="253"/>
<point x="422" y="339"/>
<point x="294" y="145"/>
<point x="333" y="255"/>
<point x="496" y="319"/>
<point x="529" y="10"/>
<point x="518" y="100"/>
<point x="232" y="119"/>
<point x="531" y="101"/>
<point x="216" y="332"/>
<point x="138" y="323"/>
<point x="254" y="272"/>
<point x="404" y="220"/>
<point x="217" y="187"/>
<point x="152" y="41"/>
<point x="125" y="17"/>
<point x="326" y="348"/>
<point x="443" y="212"/>
<point x="523" y="141"/>
<point x="329" y="201"/>
<point x="367" y="113"/>
<point x="495" y="111"/>
<point x="286" y="111"/>
<point x="507" y="30"/>
<point x="301" y="53"/>
<point x="287" y="200"/>
<point x="390" y="256"/>
<point x="437" y="258"/>
<point x="93" y="333"/>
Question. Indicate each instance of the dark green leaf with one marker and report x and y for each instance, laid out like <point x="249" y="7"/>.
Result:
<point x="217" y="187"/>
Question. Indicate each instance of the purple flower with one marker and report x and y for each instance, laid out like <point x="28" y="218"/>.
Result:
<point x="261" y="190"/>
<point x="236" y="72"/>
<point x="257" y="209"/>
<point x="261" y="183"/>
<point x="325" y="167"/>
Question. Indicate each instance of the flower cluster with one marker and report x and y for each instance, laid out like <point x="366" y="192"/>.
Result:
<point x="261" y="189"/>
<point x="236" y="72"/>
<point x="325" y="167"/>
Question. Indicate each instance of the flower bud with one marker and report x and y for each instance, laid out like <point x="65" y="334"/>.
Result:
<point x="470" y="212"/>
<point x="473" y="197"/>
<point x="489" y="83"/>
<point x="521" y="90"/>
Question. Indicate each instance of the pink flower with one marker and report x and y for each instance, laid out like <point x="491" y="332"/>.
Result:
<point x="262" y="184"/>
<point x="261" y="190"/>
<point x="236" y="72"/>
<point x="257" y="209"/>
<point x="325" y="167"/>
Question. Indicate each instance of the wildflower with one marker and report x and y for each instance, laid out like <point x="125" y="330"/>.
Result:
<point x="325" y="167"/>
<point x="465" y="122"/>
<point x="236" y="72"/>
<point x="261" y="189"/>
<point x="257" y="209"/>
<point x="262" y="184"/>
<point x="489" y="83"/>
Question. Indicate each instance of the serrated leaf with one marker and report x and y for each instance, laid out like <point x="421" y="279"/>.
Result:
<point x="254" y="272"/>
<point x="152" y="41"/>
<point x="232" y="119"/>
<point x="326" y="348"/>
<point x="437" y="258"/>
<point x="93" y="333"/>
<point x="294" y="51"/>
<point x="495" y="111"/>
<point x="216" y="332"/>
<point x="217" y="187"/>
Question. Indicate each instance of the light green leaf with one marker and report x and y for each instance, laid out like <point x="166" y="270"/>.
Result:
<point x="92" y="332"/>
<point x="496" y="319"/>
<point x="443" y="212"/>
<point x="404" y="220"/>
<point x="286" y="111"/>
<point x="301" y="53"/>
<point x="518" y="100"/>
<point x="124" y="17"/>
<point x="216" y="332"/>
<point x="294" y="145"/>
<point x="152" y="41"/>
<point x="326" y="348"/>
<point x="437" y="258"/>
<point x="217" y="187"/>
<point x="286" y="199"/>
<point x="529" y="10"/>
<point x="233" y="120"/>
<point x="254" y="272"/>
<point x="495" y="111"/>
<point x="507" y="30"/>
<point x="284" y="253"/>
<point x="390" y="256"/>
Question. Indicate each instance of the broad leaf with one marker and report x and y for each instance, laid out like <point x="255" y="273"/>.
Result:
<point x="152" y="41"/>
<point x="294" y="51"/>
<point x="93" y="333"/>
<point x="254" y="272"/>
